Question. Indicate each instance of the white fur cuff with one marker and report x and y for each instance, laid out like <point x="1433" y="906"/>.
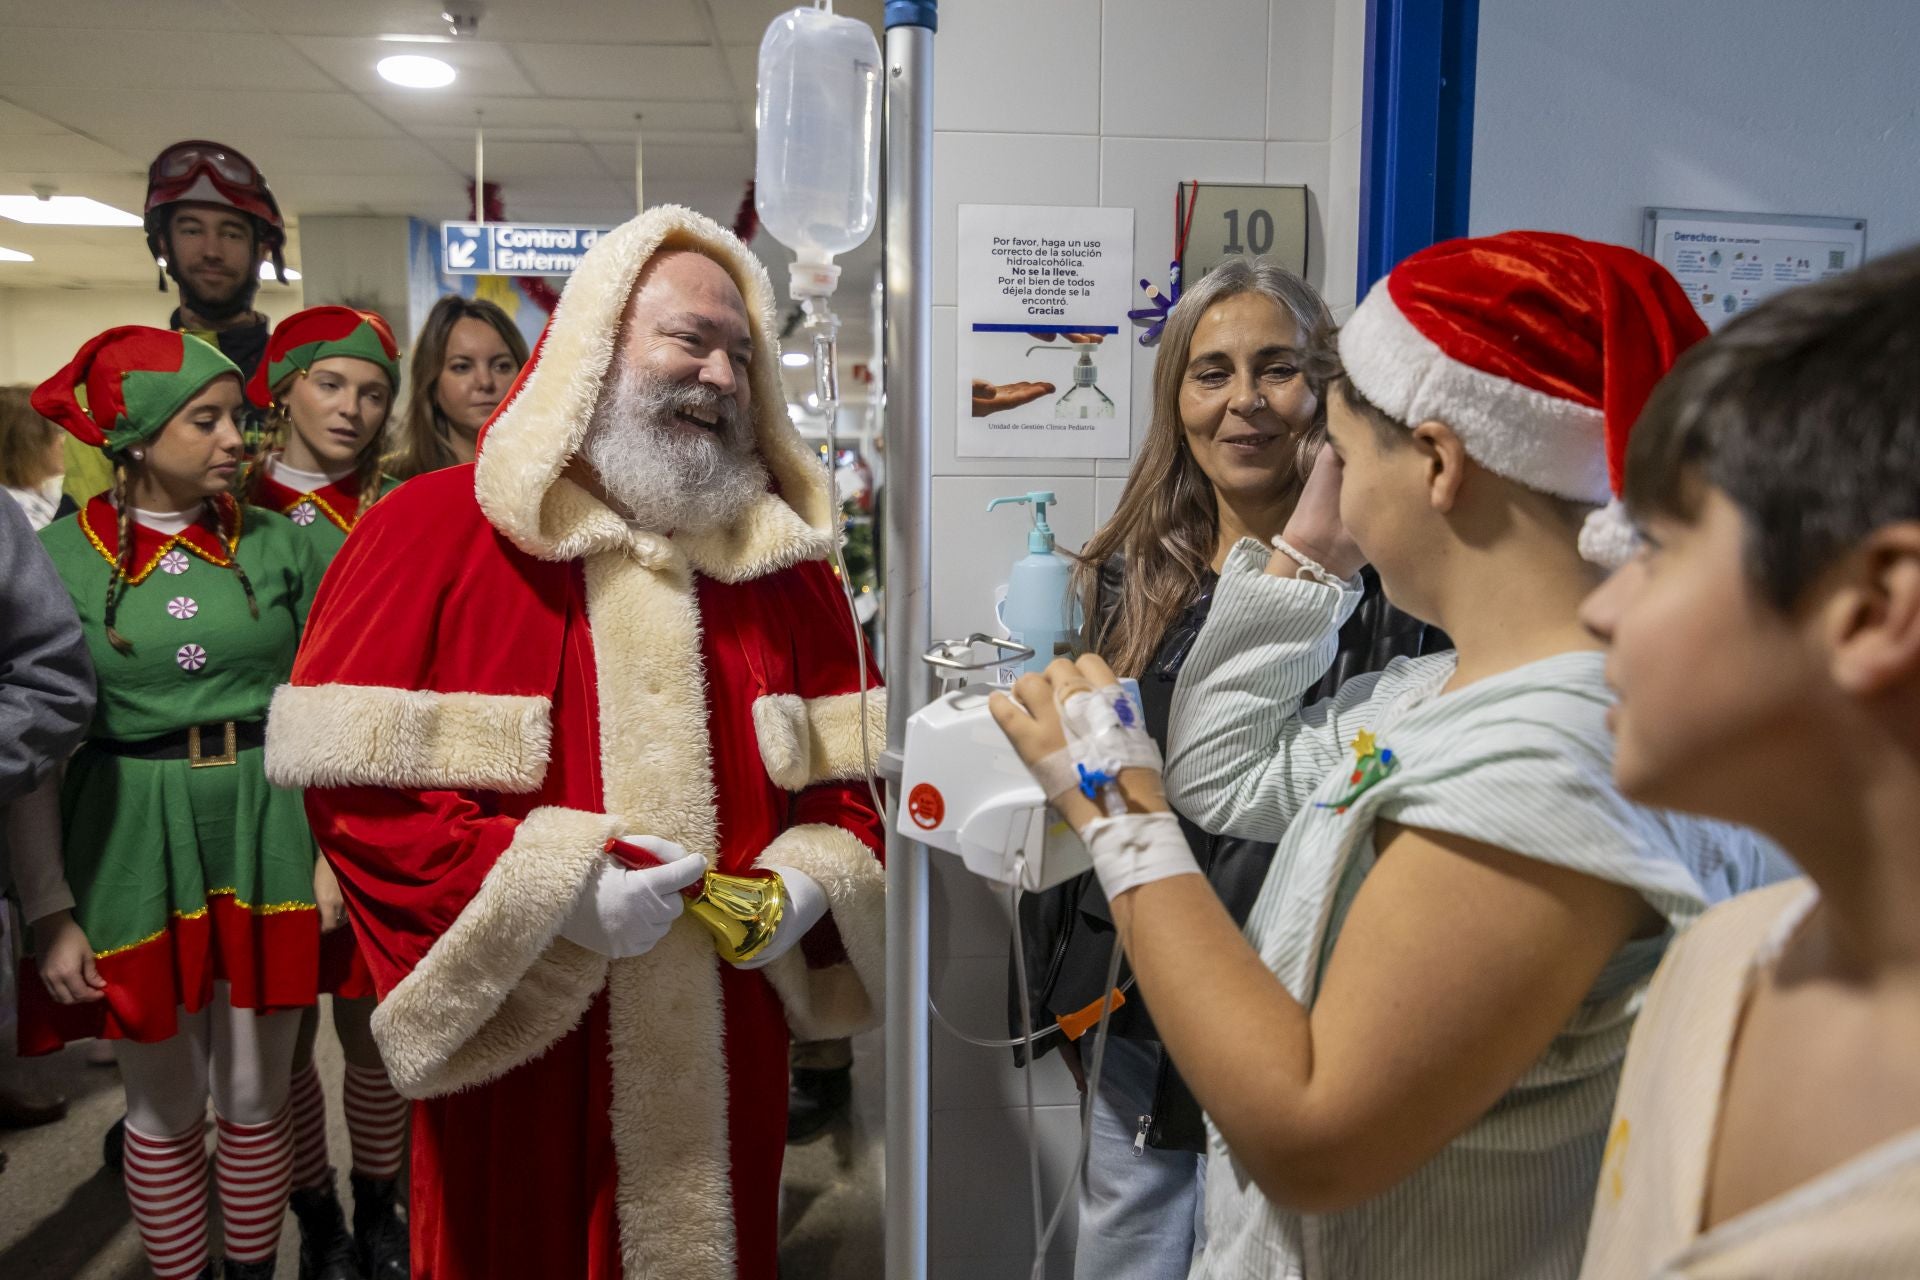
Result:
<point x="499" y="986"/>
<point x="804" y="741"/>
<point x="347" y="735"/>
<point x="843" y="999"/>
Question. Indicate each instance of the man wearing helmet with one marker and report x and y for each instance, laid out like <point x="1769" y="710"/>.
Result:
<point x="212" y="222"/>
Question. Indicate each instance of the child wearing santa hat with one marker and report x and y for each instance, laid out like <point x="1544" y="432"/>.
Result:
<point x="173" y="900"/>
<point x="1432" y="996"/>
<point x="1765" y="644"/>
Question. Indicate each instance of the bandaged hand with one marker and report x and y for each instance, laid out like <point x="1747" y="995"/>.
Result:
<point x="1086" y="743"/>
<point x="621" y="912"/>
<point x="805" y="905"/>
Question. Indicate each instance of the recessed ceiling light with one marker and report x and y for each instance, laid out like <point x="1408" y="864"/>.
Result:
<point x="65" y="211"/>
<point x="14" y="255"/>
<point x="415" y="71"/>
<point x="266" y="273"/>
<point x="796" y="359"/>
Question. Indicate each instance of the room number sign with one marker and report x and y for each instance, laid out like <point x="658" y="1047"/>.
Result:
<point x="1229" y="219"/>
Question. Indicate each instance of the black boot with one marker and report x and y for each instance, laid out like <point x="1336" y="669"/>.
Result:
<point x="262" y="1270"/>
<point x="816" y="1097"/>
<point x="379" y="1235"/>
<point x="326" y="1250"/>
<point x="113" y="1147"/>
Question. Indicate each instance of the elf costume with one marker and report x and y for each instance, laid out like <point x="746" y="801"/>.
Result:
<point x="184" y="866"/>
<point x="325" y="511"/>
<point x="539" y="679"/>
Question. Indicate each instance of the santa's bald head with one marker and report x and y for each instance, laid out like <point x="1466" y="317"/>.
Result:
<point x="671" y="438"/>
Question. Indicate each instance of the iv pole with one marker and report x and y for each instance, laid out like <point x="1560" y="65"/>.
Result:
<point x="907" y="557"/>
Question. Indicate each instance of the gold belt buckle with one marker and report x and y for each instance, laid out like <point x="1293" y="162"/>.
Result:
<point x="195" y="760"/>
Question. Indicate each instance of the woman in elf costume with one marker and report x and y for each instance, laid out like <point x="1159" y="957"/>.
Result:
<point x="329" y="378"/>
<point x="176" y="915"/>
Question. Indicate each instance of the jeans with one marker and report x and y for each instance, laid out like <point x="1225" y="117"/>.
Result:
<point x="1141" y="1208"/>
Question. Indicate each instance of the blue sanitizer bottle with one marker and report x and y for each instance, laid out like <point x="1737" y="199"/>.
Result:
<point x="1040" y="610"/>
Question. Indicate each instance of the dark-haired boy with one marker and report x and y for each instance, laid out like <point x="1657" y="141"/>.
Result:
<point x="1765" y="645"/>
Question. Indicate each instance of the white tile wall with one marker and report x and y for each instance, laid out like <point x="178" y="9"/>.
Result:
<point x="1191" y="70"/>
<point x="1016" y="66"/>
<point x="1107" y="102"/>
<point x="1300" y="66"/>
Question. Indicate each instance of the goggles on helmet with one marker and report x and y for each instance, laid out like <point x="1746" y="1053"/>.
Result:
<point x="180" y="159"/>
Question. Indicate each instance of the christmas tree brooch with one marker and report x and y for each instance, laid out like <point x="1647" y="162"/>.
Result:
<point x="1371" y="763"/>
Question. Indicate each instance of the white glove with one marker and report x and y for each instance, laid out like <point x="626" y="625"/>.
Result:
<point x="622" y="913"/>
<point x="1136" y="849"/>
<point x="806" y="903"/>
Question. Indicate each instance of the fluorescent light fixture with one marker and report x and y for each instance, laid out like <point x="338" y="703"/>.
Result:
<point x="796" y="359"/>
<point x="14" y="255"/>
<point x="415" y="71"/>
<point x="65" y="211"/>
<point x="266" y="273"/>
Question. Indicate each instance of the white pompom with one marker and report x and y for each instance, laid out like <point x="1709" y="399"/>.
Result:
<point x="1607" y="539"/>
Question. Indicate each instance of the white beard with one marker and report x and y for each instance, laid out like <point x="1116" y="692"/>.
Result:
<point x="669" y="478"/>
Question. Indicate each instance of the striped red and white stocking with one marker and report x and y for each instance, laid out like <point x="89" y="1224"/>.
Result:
<point x="312" y="1164"/>
<point x="376" y="1122"/>
<point x="254" y="1167"/>
<point x="167" y="1186"/>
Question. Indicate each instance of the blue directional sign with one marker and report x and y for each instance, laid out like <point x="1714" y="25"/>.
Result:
<point x="514" y="248"/>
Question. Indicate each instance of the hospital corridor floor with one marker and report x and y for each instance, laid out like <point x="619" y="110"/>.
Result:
<point x="63" y="1215"/>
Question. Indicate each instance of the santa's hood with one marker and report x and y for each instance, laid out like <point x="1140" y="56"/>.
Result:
<point x="540" y="425"/>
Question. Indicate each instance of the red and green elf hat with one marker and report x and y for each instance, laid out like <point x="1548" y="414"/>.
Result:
<point x="317" y="333"/>
<point x="136" y="379"/>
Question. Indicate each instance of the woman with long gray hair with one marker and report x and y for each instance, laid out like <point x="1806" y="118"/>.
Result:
<point x="1235" y="425"/>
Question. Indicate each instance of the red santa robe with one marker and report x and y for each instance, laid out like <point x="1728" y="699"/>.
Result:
<point x="499" y="677"/>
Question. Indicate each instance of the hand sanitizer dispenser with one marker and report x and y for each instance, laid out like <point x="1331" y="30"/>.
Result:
<point x="1040" y="610"/>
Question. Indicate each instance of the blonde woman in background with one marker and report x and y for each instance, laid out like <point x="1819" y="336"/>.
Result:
<point x="464" y="362"/>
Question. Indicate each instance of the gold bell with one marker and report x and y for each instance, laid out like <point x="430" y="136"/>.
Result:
<point x="740" y="911"/>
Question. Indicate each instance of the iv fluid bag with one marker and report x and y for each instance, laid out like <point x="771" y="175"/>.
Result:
<point x="817" y="171"/>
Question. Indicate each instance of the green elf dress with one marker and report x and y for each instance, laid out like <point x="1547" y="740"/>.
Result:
<point x="186" y="865"/>
<point x="323" y="508"/>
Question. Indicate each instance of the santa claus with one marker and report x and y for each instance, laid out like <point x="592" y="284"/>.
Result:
<point x="538" y="698"/>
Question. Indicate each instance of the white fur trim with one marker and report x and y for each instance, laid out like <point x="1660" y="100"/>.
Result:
<point x="780" y="725"/>
<point x="350" y="735"/>
<point x="843" y="999"/>
<point x="500" y="985"/>
<point x="1555" y="446"/>
<point x="669" y="1110"/>
<point x="812" y="740"/>
<point x="664" y="1008"/>
<point x="517" y="472"/>
<point x="1607" y="537"/>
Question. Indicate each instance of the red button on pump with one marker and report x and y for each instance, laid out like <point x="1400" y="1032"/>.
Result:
<point x="926" y="806"/>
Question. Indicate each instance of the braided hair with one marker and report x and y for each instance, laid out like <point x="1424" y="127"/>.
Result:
<point x="123" y="558"/>
<point x="233" y="557"/>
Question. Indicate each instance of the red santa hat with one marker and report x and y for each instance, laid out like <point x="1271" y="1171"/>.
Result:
<point x="1538" y="349"/>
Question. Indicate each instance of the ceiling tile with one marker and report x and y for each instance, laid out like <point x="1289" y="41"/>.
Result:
<point x="68" y="152"/>
<point x="140" y="122"/>
<point x="637" y="72"/>
<point x="423" y="111"/>
<point x="344" y="17"/>
<point x="133" y="60"/>
<point x="597" y="22"/>
<point x="18" y="122"/>
<point x="125" y="15"/>
<point x="480" y="67"/>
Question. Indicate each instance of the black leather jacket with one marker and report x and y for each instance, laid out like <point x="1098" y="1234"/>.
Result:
<point x="1067" y="931"/>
